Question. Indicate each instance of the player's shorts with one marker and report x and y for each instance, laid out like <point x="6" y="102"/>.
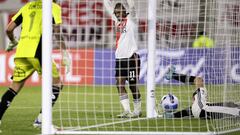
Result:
<point x="24" y="67"/>
<point x="128" y="68"/>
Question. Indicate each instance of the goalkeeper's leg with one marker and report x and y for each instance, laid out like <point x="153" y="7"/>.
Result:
<point x="9" y="95"/>
<point x="56" y="88"/>
<point x="216" y="112"/>
<point x="183" y="113"/>
<point x="22" y="70"/>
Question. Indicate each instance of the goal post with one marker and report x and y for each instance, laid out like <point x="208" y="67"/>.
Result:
<point x="47" y="67"/>
<point x="151" y="105"/>
<point x="89" y="102"/>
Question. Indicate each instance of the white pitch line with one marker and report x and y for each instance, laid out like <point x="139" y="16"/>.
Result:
<point x="111" y="123"/>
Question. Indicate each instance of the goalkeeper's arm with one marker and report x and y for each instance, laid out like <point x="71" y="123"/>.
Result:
<point x="13" y="42"/>
<point x="66" y="60"/>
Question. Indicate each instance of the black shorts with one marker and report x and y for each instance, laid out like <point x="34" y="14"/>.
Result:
<point x="128" y="68"/>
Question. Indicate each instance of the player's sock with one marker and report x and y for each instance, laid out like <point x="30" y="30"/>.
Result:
<point x="39" y="117"/>
<point x="183" y="78"/>
<point x="56" y="91"/>
<point x="6" y="100"/>
<point x="38" y="120"/>
<point x="137" y="106"/>
<point x="125" y="103"/>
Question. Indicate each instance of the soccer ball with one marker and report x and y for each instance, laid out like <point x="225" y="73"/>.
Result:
<point x="169" y="103"/>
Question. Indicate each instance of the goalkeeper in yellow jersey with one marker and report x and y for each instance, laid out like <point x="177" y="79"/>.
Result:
<point x="28" y="53"/>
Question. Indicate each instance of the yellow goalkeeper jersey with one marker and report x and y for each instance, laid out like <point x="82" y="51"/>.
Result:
<point x="30" y="16"/>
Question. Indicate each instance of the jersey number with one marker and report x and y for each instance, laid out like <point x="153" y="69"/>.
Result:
<point x="32" y="16"/>
<point x="132" y="74"/>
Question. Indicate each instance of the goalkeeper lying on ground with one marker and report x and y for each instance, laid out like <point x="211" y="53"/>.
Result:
<point x="200" y="107"/>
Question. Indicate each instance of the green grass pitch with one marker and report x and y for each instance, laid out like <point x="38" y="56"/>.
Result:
<point x="76" y="106"/>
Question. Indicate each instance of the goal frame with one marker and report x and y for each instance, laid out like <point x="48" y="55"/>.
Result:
<point x="47" y="127"/>
<point x="47" y="67"/>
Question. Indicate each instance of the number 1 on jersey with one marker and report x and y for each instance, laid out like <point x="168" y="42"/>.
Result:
<point x="32" y="16"/>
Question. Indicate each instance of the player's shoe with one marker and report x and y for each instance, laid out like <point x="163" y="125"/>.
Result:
<point x="125" y="114"/>
<point x="37" y="124"/>
<point x="170" y="72"/>
<point x="136" y="114"/>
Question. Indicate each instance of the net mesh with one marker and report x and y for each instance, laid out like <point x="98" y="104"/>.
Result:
<point x="90" y="101"/>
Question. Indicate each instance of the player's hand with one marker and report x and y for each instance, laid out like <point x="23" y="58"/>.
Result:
<point x="130" y="3"/>
<point x="11" y="45"/>
<point x="66" y="60"/>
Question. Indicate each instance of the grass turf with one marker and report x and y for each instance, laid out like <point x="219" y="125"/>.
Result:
<point x="85" y="106"/>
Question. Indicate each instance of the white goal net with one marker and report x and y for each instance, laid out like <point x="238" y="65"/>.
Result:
<point x="89" y="102"/>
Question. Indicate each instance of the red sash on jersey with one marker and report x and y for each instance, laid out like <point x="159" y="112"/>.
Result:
<point x="120" y="27"/>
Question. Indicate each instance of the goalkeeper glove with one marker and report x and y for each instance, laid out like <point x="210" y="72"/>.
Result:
<point x="66" y="60"/>
<point x="11" y="45"/>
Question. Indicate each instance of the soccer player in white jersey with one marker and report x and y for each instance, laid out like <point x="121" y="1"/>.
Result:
<point x="201" y="108"/>
<point x="127" y="60"/>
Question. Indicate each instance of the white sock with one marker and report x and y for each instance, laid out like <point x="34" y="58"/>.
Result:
<point x="125" y="103"/>
<point x="39" y="117"/>
<point x="137" y="105"/>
